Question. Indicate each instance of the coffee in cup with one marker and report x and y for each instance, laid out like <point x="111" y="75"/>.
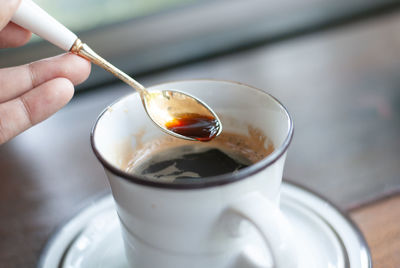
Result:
<point x="175" y="216"/>
<point x="170" y="159"/>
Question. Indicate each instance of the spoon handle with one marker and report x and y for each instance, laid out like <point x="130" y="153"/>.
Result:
<point x="35" y="19"/>
<point x="85" y="51"/>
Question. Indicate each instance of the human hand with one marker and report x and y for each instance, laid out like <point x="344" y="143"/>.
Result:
<point x="31" y="93"/>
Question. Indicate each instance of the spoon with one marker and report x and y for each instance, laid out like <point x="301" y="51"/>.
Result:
<point x="176" y="113"/>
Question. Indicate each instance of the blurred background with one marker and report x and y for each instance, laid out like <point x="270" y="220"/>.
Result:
<point x="146" y="36"/>
<point x="334" y="64"/>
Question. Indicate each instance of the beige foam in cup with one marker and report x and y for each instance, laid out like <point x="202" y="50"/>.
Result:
<point x="252" y="147"/>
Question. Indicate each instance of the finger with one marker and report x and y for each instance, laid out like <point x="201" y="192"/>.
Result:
<point x="14" y="36"/>
<point x="15" y="81"/>
<point x="33" y="107"/>
<point x="8" y="8"/>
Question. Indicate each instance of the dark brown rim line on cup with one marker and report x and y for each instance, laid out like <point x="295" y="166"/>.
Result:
<point x="208" y="181"/>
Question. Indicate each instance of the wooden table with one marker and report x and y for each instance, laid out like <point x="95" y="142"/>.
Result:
<point x="341" y="86"/>
<point x="379" y="222"/>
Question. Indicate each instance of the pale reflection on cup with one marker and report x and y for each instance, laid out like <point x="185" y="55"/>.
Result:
<point x="231" y="220"/>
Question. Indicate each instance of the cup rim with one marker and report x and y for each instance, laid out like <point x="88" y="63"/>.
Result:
<point x="212" y="181"/>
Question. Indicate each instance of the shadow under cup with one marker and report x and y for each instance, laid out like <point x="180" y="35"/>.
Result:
<point x="154" y="214"/>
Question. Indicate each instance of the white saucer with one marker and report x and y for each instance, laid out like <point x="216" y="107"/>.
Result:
<point x="325" y="237"/>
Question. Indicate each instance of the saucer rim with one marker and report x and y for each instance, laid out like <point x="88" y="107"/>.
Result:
<point x="92" y="202"/>
<point x="360" y="237"/>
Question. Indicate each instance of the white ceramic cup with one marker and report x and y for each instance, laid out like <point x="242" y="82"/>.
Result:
<point x="226" y="221"/>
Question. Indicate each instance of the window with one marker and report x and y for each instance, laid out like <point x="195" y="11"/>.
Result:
<point x="139" y="36"/>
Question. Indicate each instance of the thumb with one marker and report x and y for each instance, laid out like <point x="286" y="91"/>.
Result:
<point x="7" y="10"/>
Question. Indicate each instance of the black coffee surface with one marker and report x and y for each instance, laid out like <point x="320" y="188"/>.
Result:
<point x="189" y="163"/>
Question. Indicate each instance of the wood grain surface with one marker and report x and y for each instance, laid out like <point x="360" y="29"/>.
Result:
<point x="380" y="224"/>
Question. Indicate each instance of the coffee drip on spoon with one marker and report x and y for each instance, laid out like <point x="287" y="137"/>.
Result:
<point x="176" y="113"/>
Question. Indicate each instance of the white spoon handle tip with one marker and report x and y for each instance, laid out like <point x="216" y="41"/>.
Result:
<point x="33" y="18"/>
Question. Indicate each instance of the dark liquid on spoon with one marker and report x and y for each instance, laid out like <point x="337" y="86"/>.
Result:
<point x="196" y="126"/>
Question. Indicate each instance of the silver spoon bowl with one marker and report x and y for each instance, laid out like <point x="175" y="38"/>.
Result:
<point x="163" y="107"/>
